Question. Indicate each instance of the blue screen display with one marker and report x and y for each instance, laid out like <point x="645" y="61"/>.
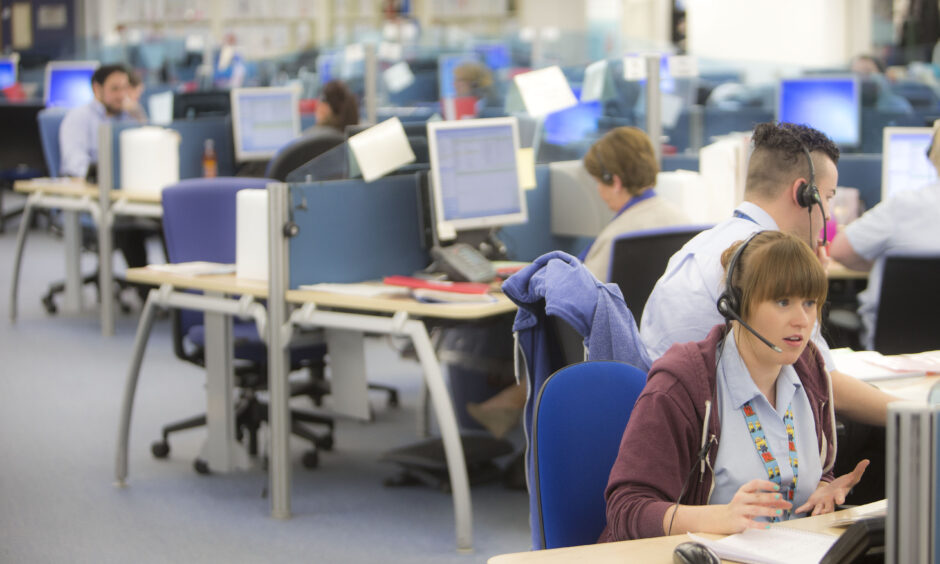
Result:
<point x="574" y="123"/>
<point x="829" y="104"/>
<point x="7" y="73"/>
<point x="69" y="87"/>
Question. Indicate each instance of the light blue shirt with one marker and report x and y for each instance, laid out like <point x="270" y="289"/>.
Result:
<point x="905" y="223"/>
<point x="738" y="461"/>
<point x="78" y="137"/>
<point x="682" y="307"/>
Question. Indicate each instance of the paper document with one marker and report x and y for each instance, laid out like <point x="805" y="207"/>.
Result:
<point x="194" y="268"/>
<point x="874" y="509"/>
<point x="776" y="545"/>
<point x="381" y="149"/>
<point x="441" y="296"/>
<point x="872" y="365"/>
<point x="365" y="289"/>
<point x="545" y="91"/>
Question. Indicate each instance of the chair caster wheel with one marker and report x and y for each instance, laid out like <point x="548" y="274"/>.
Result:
<point x="49" y="304"/>
<point x="325" y="442"/>
<point x="201" y="466"/>
<point x="393" y="398"/>
<point x="160" y="449"/>
<point x="311" y="459"/>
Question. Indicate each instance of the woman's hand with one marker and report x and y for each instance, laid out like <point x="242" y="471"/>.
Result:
<point x="828" y="496"/>
<point x="757" y="498"/>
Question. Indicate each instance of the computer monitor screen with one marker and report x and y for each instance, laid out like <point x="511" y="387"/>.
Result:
<point x="574" y="123"/>
<point x="202" y="103"/>
<point x="831" y="104"/>
<point x="8" y="68"/>
<point x="904" y="162"/>
<point x="264" y="120"/>
<point x="474" y="175"/>
<point x="68" y="83"/>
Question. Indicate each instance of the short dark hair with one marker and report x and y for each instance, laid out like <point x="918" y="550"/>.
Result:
<point x="343" y="103"/>
<point x="102" y="73"/>
<point x="778" y="155"/>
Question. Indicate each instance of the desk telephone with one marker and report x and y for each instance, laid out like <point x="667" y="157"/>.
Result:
<point x="462" y="263"/>
<point x="863" y="542"/>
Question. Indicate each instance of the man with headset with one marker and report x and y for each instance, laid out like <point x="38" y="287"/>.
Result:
<point x="791" y="177"/>
<point x="904" y="223"/>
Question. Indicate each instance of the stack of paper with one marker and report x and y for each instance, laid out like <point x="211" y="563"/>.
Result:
<point x="776" y="545"/>
<point x="872" y="365"/>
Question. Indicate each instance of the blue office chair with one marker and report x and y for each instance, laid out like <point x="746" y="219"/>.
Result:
<point x="50" y="119"/>
<point x="199" y="225"/>
<point x="639" y="258"/>
<point x="580" y="415"/>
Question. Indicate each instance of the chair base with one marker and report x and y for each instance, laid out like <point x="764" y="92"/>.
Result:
<point x="48" y="299"/>
<point x="425" y="463"/>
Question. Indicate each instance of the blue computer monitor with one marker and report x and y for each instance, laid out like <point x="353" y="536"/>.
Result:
<point x="831" y="104"/>
<point x="264" y="120"/>
<point x="904" y="162"/>
<point x="68" y="83"/>
<point x="474" y="174"/>
<point x="8" y="69"/>
<point x="574" y="123"/>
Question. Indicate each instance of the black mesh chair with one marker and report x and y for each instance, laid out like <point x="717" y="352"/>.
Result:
<point x="909" y="305"/>
<point x="300" y="151"/>
<point x="639" y="258"/>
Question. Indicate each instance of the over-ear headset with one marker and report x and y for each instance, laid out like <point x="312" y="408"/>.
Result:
<point x="606" y="177"/>
<point x="807" y="193"/>
<point x="729" y="302"/>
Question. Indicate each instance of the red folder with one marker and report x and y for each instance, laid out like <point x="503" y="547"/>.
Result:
<point x="458" y="287"/>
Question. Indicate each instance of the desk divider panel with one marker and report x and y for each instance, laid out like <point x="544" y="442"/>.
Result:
<point x="353" y="231"/>
<point x="862" y="171"/>
<point x="193" y="135"/>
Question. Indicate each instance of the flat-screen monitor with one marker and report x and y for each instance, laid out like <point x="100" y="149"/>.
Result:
<point x="68" y="83"/>
<point x="204" y="103"/>
<point x="904" y="162"/>
<point x="474" y="174"/>
<point x="831" y="104"/>
<point x="572" y="124"/>
<point x="9" y="65"/>
<point x="264" y="120"/>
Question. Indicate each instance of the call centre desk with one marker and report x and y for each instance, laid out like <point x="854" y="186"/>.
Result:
<point x="73" y="196"/>
<point x="659" y="550"/>
<point x="343" y="317"/>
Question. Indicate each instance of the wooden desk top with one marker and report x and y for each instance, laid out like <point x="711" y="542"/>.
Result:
<point x="230" y="284"/>
<point x="655" y="550"/>
<point x="78" y="187"/>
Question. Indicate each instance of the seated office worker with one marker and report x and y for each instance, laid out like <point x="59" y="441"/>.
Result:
<point x="782" y="193"/>
<point x="337" y="107"/>
<point x="78" y="144"/>
<point x="755" y="402"/>
<point x="904" y="223"/>
<point x="624" y="166"/>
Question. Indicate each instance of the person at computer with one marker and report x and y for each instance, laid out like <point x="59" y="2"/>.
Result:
<point x="736" y="430"/>
<point x="906" y="222"/>
<point x="337" y="107"/>
<point x="78" y="146"/>
<point x="778" y="196"/>
<point x="475" y="80"/>
<point x="624" y="166"/>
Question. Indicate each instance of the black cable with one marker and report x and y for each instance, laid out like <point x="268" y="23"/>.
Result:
<point x="698" y="460"/>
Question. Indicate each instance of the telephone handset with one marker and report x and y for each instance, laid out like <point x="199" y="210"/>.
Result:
<point x="462" y="263"/>
<point x="863" y="541"/>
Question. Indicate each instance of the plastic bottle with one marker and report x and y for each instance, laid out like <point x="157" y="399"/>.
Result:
<point x="210" y="165"/>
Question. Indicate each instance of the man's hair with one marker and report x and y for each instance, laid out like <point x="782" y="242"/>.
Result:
<point x="778" y="157"/>
<point x="102" y="73"/>
<point x="343" y="103"/>
<point x="627" y="153"/>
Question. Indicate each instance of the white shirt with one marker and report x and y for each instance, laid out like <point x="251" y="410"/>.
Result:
<point x="738" y="461"/>
<point x="683" y="305"/>
<point x="906" y="223"/>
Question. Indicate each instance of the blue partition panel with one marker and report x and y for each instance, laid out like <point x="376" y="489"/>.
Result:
<point x="353" y="231"/>
<point x="862" y="171"/>
<point x="534" y="238"/>
<point x="193" y="135"/>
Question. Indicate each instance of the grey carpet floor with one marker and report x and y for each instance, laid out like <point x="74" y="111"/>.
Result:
<point x="60" y="390"/>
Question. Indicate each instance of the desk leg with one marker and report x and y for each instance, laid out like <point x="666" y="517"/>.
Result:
<point x="450" y="434"/>
<point x="130" y="388"/>
<point x="222" y="452"/>
<point x="73" y="259"/>
<point x="18" y="256"/>
<point x="106" y="272"/>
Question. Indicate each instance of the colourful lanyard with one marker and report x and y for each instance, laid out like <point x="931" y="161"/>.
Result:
<point x="770" y="463"/>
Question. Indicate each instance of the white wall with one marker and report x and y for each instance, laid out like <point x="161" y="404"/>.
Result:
<point x="813" y="33"/>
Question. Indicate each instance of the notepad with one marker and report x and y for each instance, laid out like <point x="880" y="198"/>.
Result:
<point x="776" y="545"/>
<point x="194" y="268"/>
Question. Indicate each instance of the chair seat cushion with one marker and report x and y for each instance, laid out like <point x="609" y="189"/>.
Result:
<point x="249" y="346"/>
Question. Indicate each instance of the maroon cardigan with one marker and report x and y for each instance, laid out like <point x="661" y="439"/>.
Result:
<point x="664" y="435"/>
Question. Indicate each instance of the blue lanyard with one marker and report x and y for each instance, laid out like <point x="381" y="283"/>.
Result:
<point x="633" y="201"/>
<point x="742" y="215"/>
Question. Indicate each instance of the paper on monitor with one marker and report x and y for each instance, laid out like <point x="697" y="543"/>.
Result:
<point x="593" y="87"/>
<point x="545" y="91"/>
<point x="160" y="108"/>
<point x="776" y="545"/>
<point x="398" y="77"/>
<point x="381" y="149"/>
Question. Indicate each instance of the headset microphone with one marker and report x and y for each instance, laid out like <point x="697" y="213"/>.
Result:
<point x="729" y="302"/>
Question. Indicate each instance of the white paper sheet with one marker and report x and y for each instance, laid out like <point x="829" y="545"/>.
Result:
<point x="381" y="149"/>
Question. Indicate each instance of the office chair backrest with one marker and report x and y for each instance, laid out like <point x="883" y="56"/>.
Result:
<point x="639" y="258"/>
<point x="300" y="151"/>
<point x="909" y="306"/>
<point x="50" y="120"/>
<point x="580" y="415"/>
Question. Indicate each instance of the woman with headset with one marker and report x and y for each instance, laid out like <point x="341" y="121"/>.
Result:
<point x="624" y="166"/>
<point x="737" y="430"/>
